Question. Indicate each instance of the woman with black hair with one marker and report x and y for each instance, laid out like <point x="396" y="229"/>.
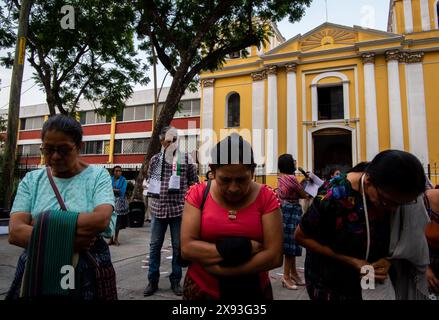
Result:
<point x="60" y="215"/>
<point x="209" y="175"/>
<point x="289" y="192"/>
<point x="231" y="230"/>
<point x="334" y="172"/>
<point x="121" y="203"/>
<point x="369" y="217"/>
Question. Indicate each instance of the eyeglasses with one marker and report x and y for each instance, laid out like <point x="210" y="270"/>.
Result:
<point x="62" y="150"/>
<point x="173" y="140"/>
<point x="391" y="203"/>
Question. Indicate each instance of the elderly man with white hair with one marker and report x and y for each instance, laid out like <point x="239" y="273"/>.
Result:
<point x="170" y="174"/>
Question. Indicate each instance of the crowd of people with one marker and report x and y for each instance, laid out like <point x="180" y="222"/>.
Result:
<point x="229" y="230"/>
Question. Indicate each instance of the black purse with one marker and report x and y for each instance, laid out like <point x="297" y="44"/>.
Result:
<point x="186" y="263"/>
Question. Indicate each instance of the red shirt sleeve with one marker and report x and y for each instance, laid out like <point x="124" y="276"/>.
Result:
<point x="270" y="201"/>
<point x="194" y="195"/>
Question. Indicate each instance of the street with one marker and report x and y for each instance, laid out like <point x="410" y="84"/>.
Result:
<point x="129" y="262"/>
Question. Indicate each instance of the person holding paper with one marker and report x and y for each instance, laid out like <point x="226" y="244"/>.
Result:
<point x="289" y="192"/>
<point x="170" y="173"/>
<point x="313" y="184"/>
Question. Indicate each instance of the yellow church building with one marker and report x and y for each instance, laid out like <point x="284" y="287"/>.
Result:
<point x="334" y="96"/>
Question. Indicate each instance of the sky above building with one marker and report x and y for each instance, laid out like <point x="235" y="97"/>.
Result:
<point x="366" y="13"/>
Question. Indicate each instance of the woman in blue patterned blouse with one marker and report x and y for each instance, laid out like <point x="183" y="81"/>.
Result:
<point x="348" y="226"/>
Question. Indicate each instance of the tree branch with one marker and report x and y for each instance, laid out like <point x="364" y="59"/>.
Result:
<point x="151" y="10"/>
<point x="217" y="54"/>
<point x="217" y="13"/>
<point x="177" y="17"/>
<point x="81" y="52"/>
<point x="161" y="54"/>
<point x="81" y="91"/>
<point x="42" y="77"/>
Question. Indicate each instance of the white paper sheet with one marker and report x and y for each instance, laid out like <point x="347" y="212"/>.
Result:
<point x="313" y="185"/>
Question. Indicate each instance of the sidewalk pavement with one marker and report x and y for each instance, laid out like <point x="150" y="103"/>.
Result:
<point x="130" y="263"/>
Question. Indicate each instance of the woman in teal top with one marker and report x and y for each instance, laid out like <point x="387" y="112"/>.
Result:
<point x="85" y="189"/>
<point x="121" y="204"/>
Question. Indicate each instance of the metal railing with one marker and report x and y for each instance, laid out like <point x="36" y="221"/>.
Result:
<point x="432" y="171"/>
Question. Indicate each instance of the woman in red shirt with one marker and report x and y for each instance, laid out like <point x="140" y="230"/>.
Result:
<point x="236" y="237"/>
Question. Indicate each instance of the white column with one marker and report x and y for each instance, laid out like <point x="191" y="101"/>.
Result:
<point x="395" y="105"/>
<point x="292" y="120"/>
<point x="425" y="15"/>
<point x="417" y="118"/>
<point x="258" y="116"/>
<point x="372" y="145"/>
<point x="207" y="131"/>
<point x="436" y="13"/>
<point x="408" y="16"/>
<point x="272" y="124"/>
<point x="314" y="102"/>
<point x="346" y="102"/>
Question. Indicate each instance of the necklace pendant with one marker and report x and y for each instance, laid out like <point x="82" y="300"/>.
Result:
<point x="232" y="215"/>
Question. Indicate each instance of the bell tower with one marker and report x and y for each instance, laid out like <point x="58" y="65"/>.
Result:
<point x="413" y="16"/>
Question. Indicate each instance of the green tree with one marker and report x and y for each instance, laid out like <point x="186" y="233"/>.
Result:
<point x="92" y="56"/>
<point x="7" y="39"/>
<point x="9" y="157"/>
<point x="192" y="36"/>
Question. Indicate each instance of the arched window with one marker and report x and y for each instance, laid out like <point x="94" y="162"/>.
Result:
<point x="233" y="111"/>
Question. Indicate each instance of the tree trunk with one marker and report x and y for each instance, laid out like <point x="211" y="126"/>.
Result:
<point x="176" y="91"/>
<point x="14" y="105"/>
<point x="51" y="103"/>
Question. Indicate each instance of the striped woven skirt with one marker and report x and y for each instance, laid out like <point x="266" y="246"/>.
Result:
<point x="291" y="214"/>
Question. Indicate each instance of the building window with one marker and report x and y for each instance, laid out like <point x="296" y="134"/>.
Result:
<point x="195" y="107"/>
<point x="30" y="150"/>
<point x="91" y="117"/>
<point x="159" y="109"/>
<point x="128" y="114"/>
<point x="233" y="111"/>
<point x="117" y="146"/>
<point x="148" y="112"/>
<point x="240" y="54"/>
<point x="107" y="147"/>
<point x="185" y="109"/>
<point x="31" y="123"/>
<point x="135" y="146"/>
<point x="82" y="119"/>
<point x="235" y="55"/>
<point x="188" y="108"/>
<point x="330" y="103"/>
<point x="101" y="119"/>
<point x="137" y="113"/>
<point x="93" y="147"/>
<point x="140" y="113"/>
<point x="119" y="117"/>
